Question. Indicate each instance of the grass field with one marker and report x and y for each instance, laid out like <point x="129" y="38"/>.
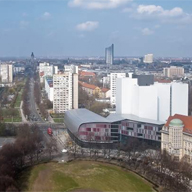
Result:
<point x="81" y="176"/>
<point x="14" y="119"/>
<point x="58" y="120"/>
<point x="18" y="101"/>
<point x="57" y="115"/>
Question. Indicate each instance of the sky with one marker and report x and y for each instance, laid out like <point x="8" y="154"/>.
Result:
<point x="87" y="27"/>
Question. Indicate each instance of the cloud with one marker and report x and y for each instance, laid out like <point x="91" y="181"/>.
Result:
<point x="174" y="15"/>
<point x="158" y="10"/>
<point x="46" y="16"/>
<point x="23" y="24"/>
<point x="87" y="26"/>
<point x="147" y="31"/>
<point x="98" y="4"/>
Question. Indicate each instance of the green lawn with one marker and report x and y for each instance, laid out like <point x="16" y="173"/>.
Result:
<point x="18" y="101"/>
<point x="90" y="176"/>
<point x="57" y="120"/>
<point x="14" y="119"/>
<point x="55" y="115"/>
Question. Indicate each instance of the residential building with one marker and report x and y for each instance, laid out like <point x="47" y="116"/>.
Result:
<point x="173" y="71"/>
<point x="154" y="101"/>
<point x="86" y="75"/>
<point x="65" y="92"/>
<point x="176" y="137"/>
<point x="45" y="70"/>
<point x="113" y="79"/>
<point x="6" y="73"/>
<point x="19" y="68"/>
<point x="148" y="58"/>
<point x="106" y="80"/>
<point x="109" y="54"/>
<point x="71" y="68"/>
<point x="56" y="70"/>
<point x="91" y="90"/>
<point x="49" y="87"/>
<point x="105" y="93"/>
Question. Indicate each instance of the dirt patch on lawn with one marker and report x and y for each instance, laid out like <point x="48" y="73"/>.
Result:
<point x="43" y="181"/>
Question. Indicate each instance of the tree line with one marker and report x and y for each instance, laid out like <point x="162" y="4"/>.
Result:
<point x="25" y="98"/>
<point x="28" y="149"/>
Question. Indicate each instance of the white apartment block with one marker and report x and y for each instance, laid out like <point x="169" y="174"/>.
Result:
<point x="56" y="70"/>
<point x="49" y="87"/>
<point x="173" y="71"/>
<point x="6" y="73"/>
<point x="65" y="92"/>
<point x="148" y="58"/>
<point x="155" y="102"/>
<point x="71" y="68"/>
<point x="113" y="79"/>
<point x="176" y="137"/>
<point x="45" y="70"/>
<point x="106" y="80"/>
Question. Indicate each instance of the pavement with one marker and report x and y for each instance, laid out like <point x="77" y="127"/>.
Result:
<point x="5" y="140"/>
<point x="22" y="115"/>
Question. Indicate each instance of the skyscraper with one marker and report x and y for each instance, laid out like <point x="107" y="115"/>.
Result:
<point x="109" y="54"/>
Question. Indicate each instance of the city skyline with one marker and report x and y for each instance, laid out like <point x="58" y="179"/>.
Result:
<point x="85" y="28"/>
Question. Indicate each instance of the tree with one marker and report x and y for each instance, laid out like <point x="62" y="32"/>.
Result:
<point x="51" y="147"/>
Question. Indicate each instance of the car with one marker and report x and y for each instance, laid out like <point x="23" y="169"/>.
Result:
<point x="64" y="151"/>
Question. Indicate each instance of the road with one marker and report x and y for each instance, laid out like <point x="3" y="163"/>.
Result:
<point x="35" y="116"/>
<point x="5" y="140"/>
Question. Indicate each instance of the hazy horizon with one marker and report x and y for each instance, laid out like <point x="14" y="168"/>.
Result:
<point x="87" y="27"/>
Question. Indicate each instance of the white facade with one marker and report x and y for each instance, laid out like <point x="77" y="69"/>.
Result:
<point x="62" y="94"/>
<point x="179" y="102"/>
<point x="6" y="73"/>
<point x="65" y="92"/>
<point x="106" y="80"/>
<point x="46" y="69"/>
<point x="155" y="102"/>
<point x="148" y="58"/>
<point x="173" y="71"/>
<point x="49" y="88"/>
<point x="113" y="78"/>
<point x="56" y="70"/>
<point x="71" y="68"/>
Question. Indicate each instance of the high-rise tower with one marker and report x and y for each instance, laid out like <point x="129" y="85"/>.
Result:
<point x="109" y="55"/>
